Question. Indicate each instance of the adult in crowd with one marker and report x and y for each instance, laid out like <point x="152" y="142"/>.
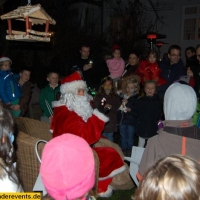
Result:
<point x="26" y="89"/>
<point x="73" y="114"/>
<point x="88" y="66"/>
<point x="72" y="161"/>
<point x="190" y="55"/>
<point x="175" y="177"/>
<point x="8" y="175"/>
<point x="198" y="52"/>
<point x="171" y="69"/>
<point x="192" y="67"/>
<point x="179" y="135"/>
<point x="130" y="70"/>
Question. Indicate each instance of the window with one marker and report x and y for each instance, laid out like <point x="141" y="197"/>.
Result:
<point x="191" y="22"/>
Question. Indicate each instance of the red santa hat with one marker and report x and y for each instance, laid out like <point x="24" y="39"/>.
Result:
<point x="72" y="82"/>
<point x="67" y="168"/>
<point x="3" y="58"/>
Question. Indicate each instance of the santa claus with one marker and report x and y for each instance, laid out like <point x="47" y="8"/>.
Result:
<point x="74" y="114"/>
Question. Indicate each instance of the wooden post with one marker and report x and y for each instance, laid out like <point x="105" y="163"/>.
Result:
<point x="47" y="27"/>
<point x="27" y="25"/>
<point x="30" y="25"/>
<point x="9" y="26"/>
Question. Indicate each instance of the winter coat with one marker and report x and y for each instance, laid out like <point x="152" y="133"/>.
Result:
<point x="147" y="112"/>
<point x="48" y="94"/>
<point x="194" y="66"/>
<point x="116" y="67"/>
<point x="26" y="90"/>
<point x="150" y="71"/>
<point x="111" y="126"/>
<point x="185" y="141"/>
<point x="9" y="89"/>
<point x="91" y="76"/>
<point x="170" y="73"/>
<point x="126" y="118"/>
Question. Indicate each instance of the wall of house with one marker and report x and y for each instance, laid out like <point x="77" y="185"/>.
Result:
<point x="170" y="11"/>
<point x="173" y="26"/>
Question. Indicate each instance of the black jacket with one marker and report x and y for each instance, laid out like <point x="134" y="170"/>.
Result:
<point x="126" y="118"/>
<point x="194" y="66"/>
<point x="90" y="76"/>
<point x="147" y="113"/>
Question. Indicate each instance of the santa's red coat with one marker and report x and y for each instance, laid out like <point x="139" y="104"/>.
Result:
<point x="66" y="121"/>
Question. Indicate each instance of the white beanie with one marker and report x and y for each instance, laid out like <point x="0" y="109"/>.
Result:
<point x="5" y="59"/>
<point x="180" y="102"/>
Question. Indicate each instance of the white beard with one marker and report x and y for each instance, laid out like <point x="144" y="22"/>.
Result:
<point x="79" y="104"/>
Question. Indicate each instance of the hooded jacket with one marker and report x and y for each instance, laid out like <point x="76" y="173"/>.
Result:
<point x="9" y="89"/>
<point x="179" y="135"/>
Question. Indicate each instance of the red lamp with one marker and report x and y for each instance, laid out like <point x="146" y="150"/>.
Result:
<point x="151" y="36"/>
<point x="159" y="44"/>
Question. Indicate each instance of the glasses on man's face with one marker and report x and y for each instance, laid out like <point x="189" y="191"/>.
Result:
<point x="175" y="55"/>
<point x="198" y="56"/>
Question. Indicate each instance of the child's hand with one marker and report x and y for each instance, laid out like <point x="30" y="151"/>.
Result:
<point x="108" y="106"/>
<point x="128" y="109"/>
<point x="15" y="107"/>
<point x="50" y="119"/>
<point x="125" y="101"/>
<point x="87" y="66"/>
<point x="189" y="72"/>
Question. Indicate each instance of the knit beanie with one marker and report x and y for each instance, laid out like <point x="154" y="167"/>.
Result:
<point x="67" y="168"/>
<point x="3" y="58"/>
<point x="180" y="102"/>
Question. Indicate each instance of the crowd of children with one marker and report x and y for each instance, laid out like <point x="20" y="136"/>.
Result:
<point x="133" y="110"/>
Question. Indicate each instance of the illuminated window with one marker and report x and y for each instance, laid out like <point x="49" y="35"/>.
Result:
<point x="191" y="22"/>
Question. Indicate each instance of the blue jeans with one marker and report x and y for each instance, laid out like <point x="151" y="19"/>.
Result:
<point x="109" y="136"/>
<point x="127" y="136"/>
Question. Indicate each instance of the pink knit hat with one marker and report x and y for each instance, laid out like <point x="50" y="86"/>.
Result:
<point x="67" y="168"/>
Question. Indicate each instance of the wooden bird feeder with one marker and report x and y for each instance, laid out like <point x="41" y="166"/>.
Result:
<point x="31" y="14"/>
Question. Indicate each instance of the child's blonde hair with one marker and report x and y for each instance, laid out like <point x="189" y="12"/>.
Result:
<point x="153" y="52"/>
<point x="172" y="178"/>
<point x="134" y="82"/>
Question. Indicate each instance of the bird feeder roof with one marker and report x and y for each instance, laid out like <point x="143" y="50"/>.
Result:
<point x="36" y="14"/>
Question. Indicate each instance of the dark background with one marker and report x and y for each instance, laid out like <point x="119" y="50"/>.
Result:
<point x="69" y="34"/>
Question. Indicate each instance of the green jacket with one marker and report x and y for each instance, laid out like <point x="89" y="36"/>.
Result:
<point x="48" y="94"/>
<point x="196" y="114"/>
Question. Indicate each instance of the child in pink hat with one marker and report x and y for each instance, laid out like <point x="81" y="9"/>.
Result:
<point x="68" y="168"/>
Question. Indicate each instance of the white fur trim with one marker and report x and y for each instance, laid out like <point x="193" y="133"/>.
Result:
<point x="108" y="192"/>
<point x="72" y="86"/>
<point x="57" y="104"/>
<point x="113" y="173"/>
<point x="100" y="115"/>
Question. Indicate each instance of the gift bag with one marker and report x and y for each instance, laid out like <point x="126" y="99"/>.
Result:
<point x="39" y="187"/>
